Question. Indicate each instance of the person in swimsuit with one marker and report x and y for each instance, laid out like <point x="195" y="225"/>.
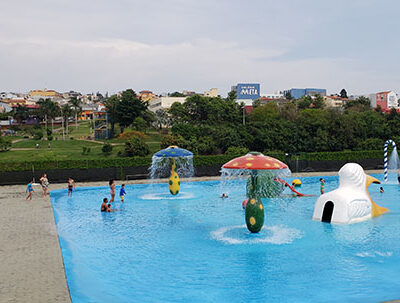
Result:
<point x="45" y="184"/>
<point x="30" y="191"/>
<point x="381" y="190"/>
<point x="322" y="185"/>
<point x="112" y="190"/>
<point x="104" y="207"/>
<point x="71" y="186"/>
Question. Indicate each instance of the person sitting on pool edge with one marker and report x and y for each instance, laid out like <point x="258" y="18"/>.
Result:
<point x="104" y="207"/>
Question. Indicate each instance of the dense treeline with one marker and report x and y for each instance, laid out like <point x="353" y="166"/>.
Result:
<point x="212" y="125"/>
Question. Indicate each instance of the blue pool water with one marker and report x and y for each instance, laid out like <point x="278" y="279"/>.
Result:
<point x="196" y="248"/>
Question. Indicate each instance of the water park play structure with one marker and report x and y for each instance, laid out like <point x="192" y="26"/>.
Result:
<point x="265" y="181"/>
<point x="393" y="163"/>
<point x="179" y="160"/>
<point x="351" y="201"/>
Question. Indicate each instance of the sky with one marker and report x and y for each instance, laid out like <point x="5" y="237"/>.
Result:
<point x="175" y="45"/>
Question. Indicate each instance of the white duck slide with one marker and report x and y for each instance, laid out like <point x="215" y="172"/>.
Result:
<point x="350" y="202"/>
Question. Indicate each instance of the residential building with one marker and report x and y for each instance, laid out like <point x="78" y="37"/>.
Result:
<point x="5" y="107"/>
<point x="146" y="95"/>
<point x="213" y="92"/>
<point x="37" y="94"/>
<point x="335" y="101"/>
<point x="188" y="93"/>
<point x="387" y="100"/>
<point x="164" y="102"/>
<point x="297" y="93"/>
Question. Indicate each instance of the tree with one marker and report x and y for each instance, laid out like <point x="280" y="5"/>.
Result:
<point x="343" y="93"/>
<point x="111" y="105"/>
<point x="136" y="147"/>
<point x="176" y="94"/>
<point x="48" y="109"/>
<point x="318" y="101"/>
<point x="304" y="102"/>
<point x="231" y="96"/>
<point x="139" y="124"/>
<point x="162" y="118"/>
<point x="66" y="112"/>
<point x="129" y="108"/>
<point x="21" y="113"/>
<point x="288" y="95"/>
<point x="75" y="105"/>
<point x="360" y="104"/>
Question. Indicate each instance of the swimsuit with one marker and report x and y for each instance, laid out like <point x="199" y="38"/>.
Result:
<point x="112" y="190"/>
<point x="70" y="187"/>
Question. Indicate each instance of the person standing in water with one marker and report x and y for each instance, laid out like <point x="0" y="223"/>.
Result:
<point x="322" y="185"/>
<point x="122" y="193"/>
<point x="71" y="186"/>
<point x="112" y="190"/>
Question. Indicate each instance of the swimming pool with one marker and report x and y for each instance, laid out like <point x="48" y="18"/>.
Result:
<point x="196" y="248"/>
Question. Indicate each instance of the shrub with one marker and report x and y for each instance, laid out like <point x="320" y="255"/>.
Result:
<point x="15" y="127"/>
<point x="132" y="134"/>
<point x="168" y="141"/>
<point x="139" y="124"/>
<point x="5" y="144"/>
<point x="48" y="132"/>
<point x="136" y="147"/>
<point x="107" y="149"/>
<point x="236" y="151"/>
<point x="38" y="135"/>
<point x="50" y="138"/>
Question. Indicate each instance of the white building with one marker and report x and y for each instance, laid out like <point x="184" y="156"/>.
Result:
<point x="164" y="102"/>
<point x="275" y="95"/>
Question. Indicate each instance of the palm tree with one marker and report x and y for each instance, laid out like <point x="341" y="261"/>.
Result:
<point x="48" y="109"/>
<point x="66" y="112"/>
<point x="54" y="111"/>
<point x="111" y="108"/>
<point x="75" y="104"/>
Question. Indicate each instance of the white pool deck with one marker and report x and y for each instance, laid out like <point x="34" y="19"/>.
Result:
<point x="31" y="266"/>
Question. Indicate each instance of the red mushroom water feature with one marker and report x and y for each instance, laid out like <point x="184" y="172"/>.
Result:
<point x="260" y="168"/>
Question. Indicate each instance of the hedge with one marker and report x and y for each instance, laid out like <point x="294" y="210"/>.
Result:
<point x="198" y="160"/>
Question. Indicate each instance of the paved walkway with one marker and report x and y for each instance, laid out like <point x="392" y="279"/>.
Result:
<point x="31" y="266"/>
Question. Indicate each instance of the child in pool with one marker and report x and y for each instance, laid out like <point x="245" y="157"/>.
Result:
<point x="322" y="185"/>
<point x="122" y="193"/>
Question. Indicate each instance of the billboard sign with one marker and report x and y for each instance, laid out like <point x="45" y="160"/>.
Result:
<point x="248" y="91"/>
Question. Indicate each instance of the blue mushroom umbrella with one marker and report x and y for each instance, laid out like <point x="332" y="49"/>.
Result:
<point x="173" y="152"/>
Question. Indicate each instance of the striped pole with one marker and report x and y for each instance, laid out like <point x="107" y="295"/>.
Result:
<point x="385" y="159"/>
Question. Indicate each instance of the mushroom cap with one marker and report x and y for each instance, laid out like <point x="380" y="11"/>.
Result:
<point x="255" y="160"/>
<point x="173" y="152"/>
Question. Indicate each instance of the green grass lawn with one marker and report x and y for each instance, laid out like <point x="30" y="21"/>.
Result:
<point x="70" y="149"/>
